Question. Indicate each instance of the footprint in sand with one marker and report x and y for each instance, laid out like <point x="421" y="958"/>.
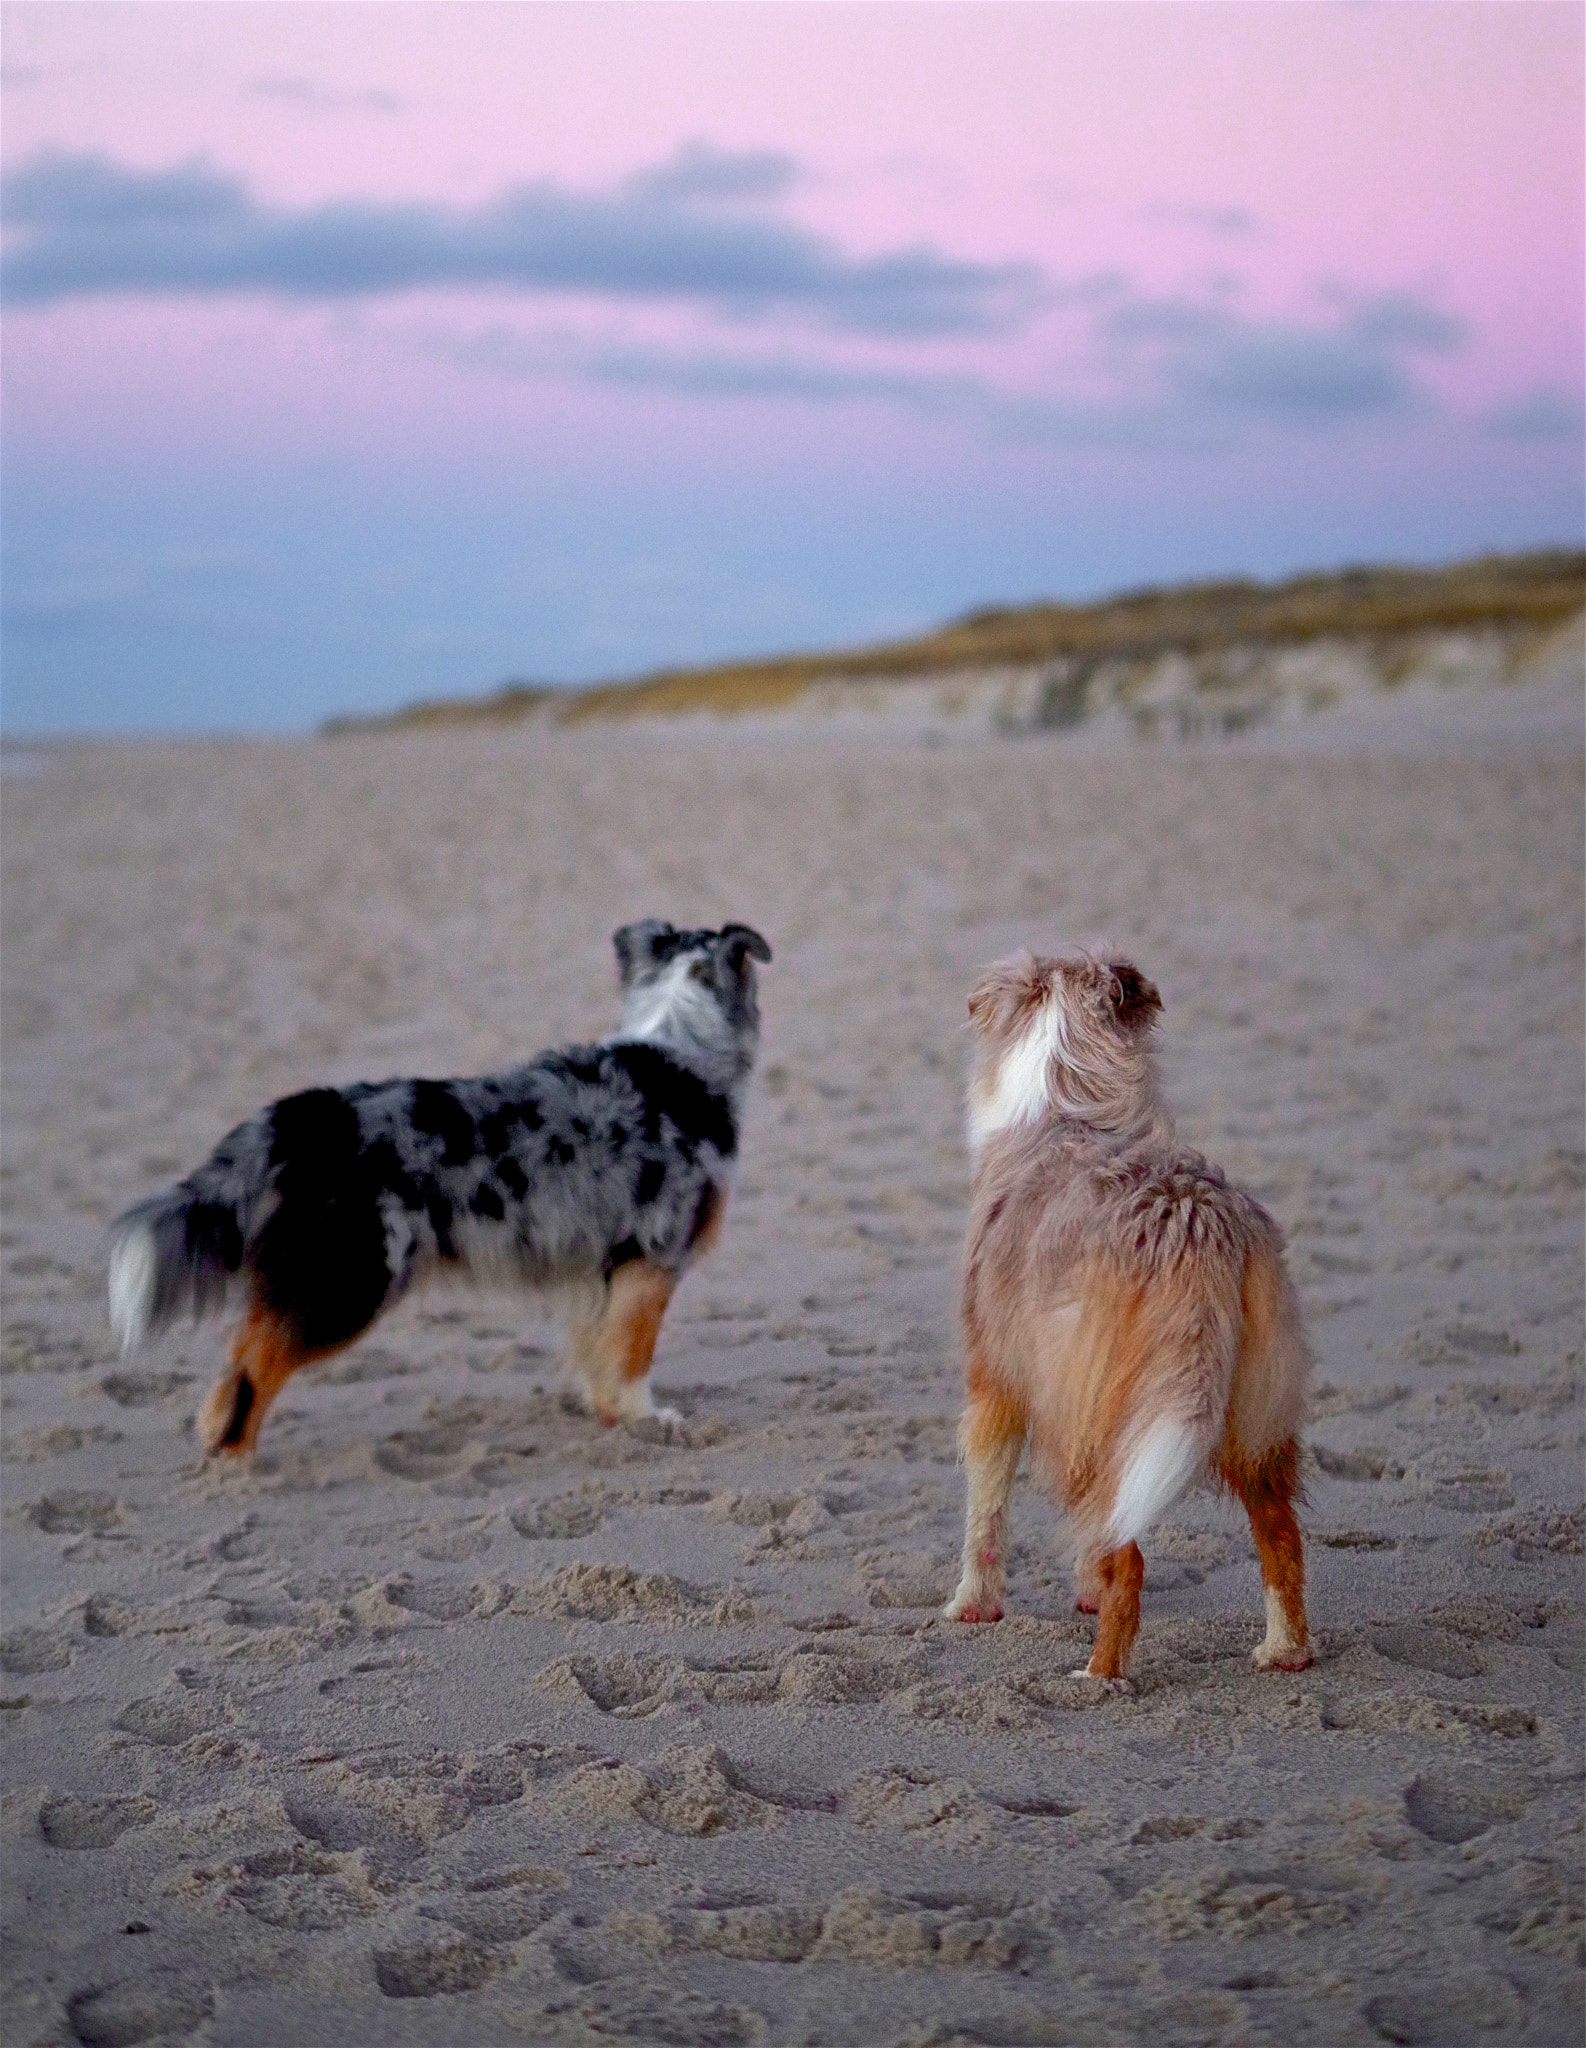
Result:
<point x="421" y="1454"/>
<point x="1474" y="1493"/>
<point x="166" y="2007"/>
<point x="912" y="1592"/>
<point x="57" y="1441"/>
<point x="686" y="1790"/>
<point x="1456" y="1343"/>
<point x="439" y="1600"/>
<point x="302" y="1888"/>
<point x="430" y="1969"/>
<point x="1431" y="2013"/>
<point x="1451" y="1810"/>
<point x="74" y="1514"/>
<point x="559" y="1521"/>
<point x="1426" y="1649"/>
<point x="442" y="1545"/>
<point x="629" y="1687"/>
<point x="1364" y="1464"/>
<point x="172" y="1716"/>
<point x="104" y="1615"/>
<point x="67" y="1822"/>
<point x="652" y="2013"/>
<point x="27" y="1651"/>
<point x="502" y="1909"/>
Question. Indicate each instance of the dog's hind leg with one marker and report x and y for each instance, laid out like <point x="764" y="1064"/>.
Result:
<point x="990" y="1437"/>
<point x="1119" y="1577"/>
<point x="613" y="1348"/>
<point x="264" y="1354"/>
<point x="1267" y="1491"/>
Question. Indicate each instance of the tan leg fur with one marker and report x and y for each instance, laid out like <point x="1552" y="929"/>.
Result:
<point x="611" y="1350"/>
<point x="991" y="1438"/>
<point x="264" y="1355"/>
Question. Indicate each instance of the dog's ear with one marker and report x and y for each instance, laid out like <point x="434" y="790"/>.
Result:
<point x="1135" y="1001"/>
<point x="636" y="945"/>
<point x="736" y="940"/>
<point x="983" y="999"/>
<point x="1006" y="991"/>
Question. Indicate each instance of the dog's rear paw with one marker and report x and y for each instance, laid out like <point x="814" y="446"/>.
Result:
<point x="1290" y="1657"/>
<point x="1101" y="1680"/>
<point x="658" y="1426"/>
<point x="221" y="1425"/>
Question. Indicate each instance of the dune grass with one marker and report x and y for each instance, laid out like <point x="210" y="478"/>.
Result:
<point x="1508" y="591"/>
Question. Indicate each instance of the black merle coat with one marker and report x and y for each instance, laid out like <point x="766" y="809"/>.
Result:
<point x="331" y="1203"/>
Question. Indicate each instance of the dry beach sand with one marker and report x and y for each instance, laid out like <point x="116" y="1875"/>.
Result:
<point x="453" y="1719"/>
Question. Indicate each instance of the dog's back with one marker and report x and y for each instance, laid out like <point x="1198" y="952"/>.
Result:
<point x="1139" y="1309"/>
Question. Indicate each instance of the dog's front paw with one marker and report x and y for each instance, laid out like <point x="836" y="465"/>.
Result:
<point x="968" y="1606"/>
<point x="1101" y="1680"/>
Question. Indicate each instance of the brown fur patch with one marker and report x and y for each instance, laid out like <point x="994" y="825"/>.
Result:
<point x="1135" y="1000"/>
<point x="710" y="1222"/>
<point x="1002" y="1002"/>
<point x="265" y="1353"/>
<point x="637" y="1306"/>
<point x="1268" y="1490"/>
<point x="1266" y="1404"/>
<point x="1120" y="1575"/>
<point x="993" y="1415"/>
<point x="616" y="1346"/>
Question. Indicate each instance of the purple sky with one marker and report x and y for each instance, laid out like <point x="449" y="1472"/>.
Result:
<point x="362" y="352"/>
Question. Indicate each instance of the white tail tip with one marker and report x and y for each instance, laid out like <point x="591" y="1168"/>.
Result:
<point x="132" y="1286"/>
<point x="1165" y="1462"/>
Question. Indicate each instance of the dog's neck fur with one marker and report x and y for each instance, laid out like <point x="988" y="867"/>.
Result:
<point x="675" y="1014"/>
<point x="1058" y="1070"/>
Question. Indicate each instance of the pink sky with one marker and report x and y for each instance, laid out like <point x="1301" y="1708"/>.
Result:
<point x="1239" y="235"/>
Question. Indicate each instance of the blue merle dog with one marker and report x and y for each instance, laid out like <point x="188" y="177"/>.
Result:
<point x="602" y="1170"/>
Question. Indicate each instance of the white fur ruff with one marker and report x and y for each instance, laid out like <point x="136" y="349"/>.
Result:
<point x="673" y="1004"/>
<point x="1021" y="1093"/>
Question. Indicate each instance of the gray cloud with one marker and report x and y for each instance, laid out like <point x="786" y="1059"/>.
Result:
<point x="699" y="173"/>
<point x="1211" y="220"/>
<point x="1542" y="415"/>
<point x="302" y="92"/>
<point x="694" y="230"/>
<point x="1176" y="374"/>
<point x="1211" y="357"/>
<point x="1154" y="415"/>
<point x="1170" y="374"/>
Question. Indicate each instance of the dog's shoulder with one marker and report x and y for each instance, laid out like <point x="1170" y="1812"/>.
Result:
<point x="673" y="1092"/>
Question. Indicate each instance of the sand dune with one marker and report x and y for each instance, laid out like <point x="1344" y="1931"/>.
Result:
<point x="1183" y="659"/>
<point x="455" y="1719"/>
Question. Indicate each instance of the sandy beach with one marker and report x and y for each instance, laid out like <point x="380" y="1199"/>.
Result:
<point x="453" y="1718"/>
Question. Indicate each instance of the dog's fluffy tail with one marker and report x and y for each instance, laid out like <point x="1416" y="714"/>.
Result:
<point x="1157" y="1361"/>
<point x="176" y="1252"/>
<point x="1161" y="1462"/>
